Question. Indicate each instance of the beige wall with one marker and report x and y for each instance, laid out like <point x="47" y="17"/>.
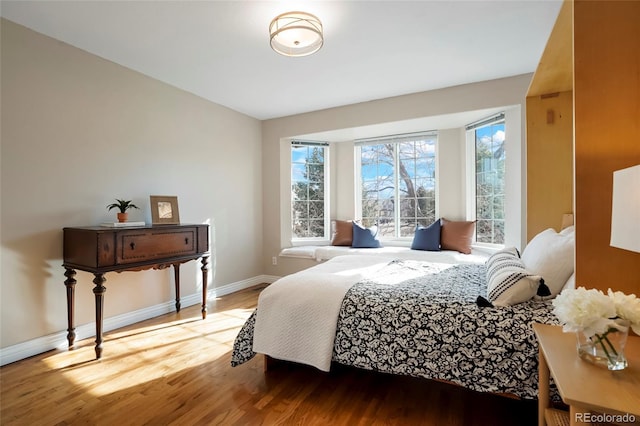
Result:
<point x="451" y="175"/>
<point x="78" y="131"/>
<point x="490" y="94"/>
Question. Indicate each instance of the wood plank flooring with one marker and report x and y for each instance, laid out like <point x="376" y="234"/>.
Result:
<point x="175" y="370"/>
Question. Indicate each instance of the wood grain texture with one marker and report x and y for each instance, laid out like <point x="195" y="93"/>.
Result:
<point x="550" y="130"/>
<point x="607" y="135"/>
<point x="549" y="161"/>
<point x="586" y="385"/>
<point x="175" y="370"/>
<point x="555" y="69"/>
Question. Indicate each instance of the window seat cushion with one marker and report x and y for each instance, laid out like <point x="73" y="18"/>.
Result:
<point x="321" y="253"/>
<point x="302" y="252"/>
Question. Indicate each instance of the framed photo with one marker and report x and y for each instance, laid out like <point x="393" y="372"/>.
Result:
<point x="164" y="210"/>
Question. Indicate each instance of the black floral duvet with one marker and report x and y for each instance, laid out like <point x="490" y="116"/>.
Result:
<point x="430" y="326"/>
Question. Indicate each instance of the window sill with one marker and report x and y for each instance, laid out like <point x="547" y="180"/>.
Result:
<point x="310" y="242"/>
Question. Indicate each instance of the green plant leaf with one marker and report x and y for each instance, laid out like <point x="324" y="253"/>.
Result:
<point x="122" y="205"/>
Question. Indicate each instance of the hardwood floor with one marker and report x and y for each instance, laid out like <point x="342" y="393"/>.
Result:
<point x="175" y="370"/>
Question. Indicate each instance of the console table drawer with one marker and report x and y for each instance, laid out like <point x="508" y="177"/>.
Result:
<point x="142" y="246"/>
<point x="102" y="249"/>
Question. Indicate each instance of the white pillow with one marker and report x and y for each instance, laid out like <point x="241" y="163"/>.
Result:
<point x="571" y="282"/>
<point x="508" y="282"/>
<point x="568" y="230"/>
<point x="550" y="255"/>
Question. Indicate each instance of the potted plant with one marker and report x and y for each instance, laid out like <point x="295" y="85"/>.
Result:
<point x="123" y="206"/>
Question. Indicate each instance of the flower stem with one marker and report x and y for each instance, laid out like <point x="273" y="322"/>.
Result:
<point x="601" y="339"/>
<point x="611" y="346"/>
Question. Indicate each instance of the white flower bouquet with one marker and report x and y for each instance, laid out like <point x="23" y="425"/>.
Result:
<point x="596" y="316"/>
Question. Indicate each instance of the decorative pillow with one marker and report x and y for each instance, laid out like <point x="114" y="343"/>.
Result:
<point x="508" y="282"/>
<point x="550" y="255"/>
<point x="457" y="235"/>
<point x="365" y="237"/>
<point x="343" y="234"/>
<point x="427" y="238"/>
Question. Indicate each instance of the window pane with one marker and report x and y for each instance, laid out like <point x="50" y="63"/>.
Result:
<point x="307" y="191"/>
<point x="483" y="231"/>
<point x="316" y="191"/>
<point x="490" y="173"/>
<point x="316" y="210"/>
<point x="369" y="170"/>
<point x="407" y="227"/>
<point x="386" y="226"/>
<point x="315" y="172"/>
<point x="316" y="228"/>
<point x="398" y="181"/>
<point x="298" y="172"/>
<point x="369" y="222"/>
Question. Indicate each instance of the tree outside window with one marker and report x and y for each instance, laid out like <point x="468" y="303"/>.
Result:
<point x="398" y="184"/>
<point x="308" y="190"/>
<point x="490" y="183"/>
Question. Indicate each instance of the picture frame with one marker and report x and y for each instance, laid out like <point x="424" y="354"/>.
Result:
<point x="164" y="210"/>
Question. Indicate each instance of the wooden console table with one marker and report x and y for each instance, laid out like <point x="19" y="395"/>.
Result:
<point x="99" y="250"/>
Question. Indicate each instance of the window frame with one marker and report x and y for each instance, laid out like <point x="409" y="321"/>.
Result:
<point x="471" y="182"/>
<point x="295" y="240"/>
<point x="396" y="239"/>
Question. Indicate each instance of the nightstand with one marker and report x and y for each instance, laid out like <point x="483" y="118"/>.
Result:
<point x="590" y="391"/>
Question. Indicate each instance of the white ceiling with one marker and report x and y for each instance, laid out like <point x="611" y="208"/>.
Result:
<point x="219" y="50"/>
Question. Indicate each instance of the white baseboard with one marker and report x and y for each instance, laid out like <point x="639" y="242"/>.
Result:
<point x="59" y="340"/>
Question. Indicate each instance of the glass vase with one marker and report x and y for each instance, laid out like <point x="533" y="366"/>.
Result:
<point x="606" y="349"/>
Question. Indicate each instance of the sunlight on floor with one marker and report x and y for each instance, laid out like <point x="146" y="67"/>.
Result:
<point x="136" y="355"/>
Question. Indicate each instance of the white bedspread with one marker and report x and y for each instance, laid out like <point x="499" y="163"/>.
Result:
<point x="297" y="315"/>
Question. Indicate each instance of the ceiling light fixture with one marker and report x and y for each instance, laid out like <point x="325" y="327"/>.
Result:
<point x="296" y="34"/>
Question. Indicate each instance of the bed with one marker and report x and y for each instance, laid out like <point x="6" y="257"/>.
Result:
<point x="399" y="316"/>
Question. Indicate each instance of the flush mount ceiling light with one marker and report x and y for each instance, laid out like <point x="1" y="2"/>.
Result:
<point x="296" y="34"/>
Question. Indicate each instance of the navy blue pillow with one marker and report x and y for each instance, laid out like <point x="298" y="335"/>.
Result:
<point x="427" y="238"/>
<point x="365" y="237"/>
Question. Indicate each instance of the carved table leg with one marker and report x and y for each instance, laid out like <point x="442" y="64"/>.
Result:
<point x="205" y="270"/>
<point x="176" y="279"/>
<point x="99" y="291"/>
<point x="70" y="283"/>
